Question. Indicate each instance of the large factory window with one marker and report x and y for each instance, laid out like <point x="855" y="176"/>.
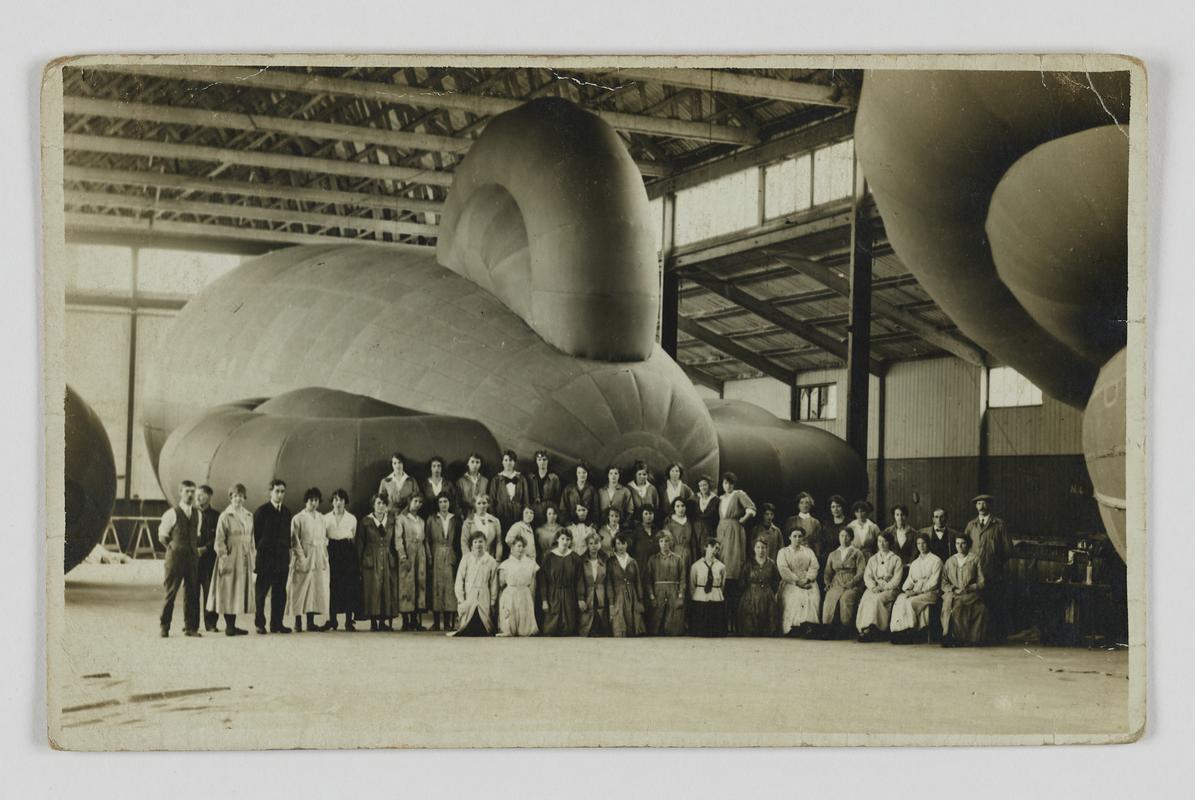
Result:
<point x="1008" y="388"/>
<point x="788" y="186"/>
<point x="725" y="205"/>
<point x="818" y="402"/>
<point x="834" y="172"/>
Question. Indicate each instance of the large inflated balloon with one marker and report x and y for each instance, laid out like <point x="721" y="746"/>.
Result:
<point x="1059" y="237"/>
<point x="934" y="146"/>
<point x="549" y="214"/>
<point x="90" y="479"/>
<point x="1104" y="446"/>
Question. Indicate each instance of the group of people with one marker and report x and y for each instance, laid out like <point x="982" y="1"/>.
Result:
<point x="523" y="554"/>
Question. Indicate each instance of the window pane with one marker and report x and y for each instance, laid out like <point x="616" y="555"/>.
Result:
<point x="803" y="180"/>
<point x="728" y="204"/>
<point x="833" y="172"/>
<point x="1008" y="388"/>
<point x="780" y="195"/>
<point x="177" y="272"/>
<point x="99" y="268"/>
<point x="657" y="226"/>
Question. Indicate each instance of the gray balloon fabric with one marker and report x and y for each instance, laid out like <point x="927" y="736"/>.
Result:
<point x="1104" y="446"/>
<point x="90" y="479"/>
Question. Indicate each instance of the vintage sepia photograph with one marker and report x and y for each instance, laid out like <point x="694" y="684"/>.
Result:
<point x="512" y="401"/>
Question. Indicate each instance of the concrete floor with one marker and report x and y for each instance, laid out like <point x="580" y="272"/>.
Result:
<point x="115" y="684"/>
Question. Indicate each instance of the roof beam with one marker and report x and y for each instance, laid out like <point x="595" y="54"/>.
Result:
<point x="748" y="357"/>
<point x="143" y="232"/>
<point x="799" y="141"/>
<point x="738" y="83"/>
<point x="889" y="311"/>
<point x="140" y="203"/>
<point x="762" y="237"/>
<point x="186" y="183"/>
<point x="152" y="149"/>
<point x="766" y="311"/>
<point x="703" y="378"/>
<point x="281" y="80"/>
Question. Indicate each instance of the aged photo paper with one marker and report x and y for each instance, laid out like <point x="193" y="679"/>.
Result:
<point x="527" y="401"/>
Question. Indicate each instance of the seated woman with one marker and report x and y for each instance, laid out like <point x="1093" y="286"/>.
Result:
<point x="591" y="590"/>
<point x="707" y="577"/>
<point x="665" y="587"/>
<point x="476" y="590"/>
<point x="624" y="588"/>
<point x="883" y="576"/>
<point x="558" y="577"/>
<point x="516" y="582"/>
<point x="844" y="583"/>
<point x="910" y="612"/>
<point x="375" y="547"/>
<point x="864" y="530"/>
<point x="757" y="609"/>
<point x="800" y="598"/>
<point x="964" y="615"/>
<point x="524" y="527"/>
<point x="232" y="579"/>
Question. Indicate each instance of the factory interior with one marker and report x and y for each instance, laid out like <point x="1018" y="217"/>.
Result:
<point x="901" y="287"/>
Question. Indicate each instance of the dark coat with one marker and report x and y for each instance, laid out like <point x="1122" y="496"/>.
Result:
<point x="271" y="538"/>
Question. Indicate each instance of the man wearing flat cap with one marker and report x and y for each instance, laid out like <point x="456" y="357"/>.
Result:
<point x="992" y="546"/>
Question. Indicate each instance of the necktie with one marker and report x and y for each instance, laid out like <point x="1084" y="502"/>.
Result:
<point x="709" y="577"/>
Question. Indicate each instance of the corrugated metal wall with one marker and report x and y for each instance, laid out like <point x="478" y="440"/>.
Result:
<point x="932" y="409"/>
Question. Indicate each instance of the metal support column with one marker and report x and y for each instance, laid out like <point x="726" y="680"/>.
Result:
<point x="130" y="417"/>
<point x="859" y="323"/>
<point x="670" y="287"/>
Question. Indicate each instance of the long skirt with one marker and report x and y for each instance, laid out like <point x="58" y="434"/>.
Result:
<point x="757" y="613"/>
<point x="733" y="538"/>
<point x="442" y="596"/>
<point x="840" y="605"/>
<point x="912" y="614"/>
<point x="709" y="618"/>
<point x="344" y="567"/>
<point x="594" y="622"/>
<point x="411" y="585"/>
<point x="668" y="612"/>
<point x="965" y="617"/>
<point x="308" y="591"/>
<point x="516" y="612"/>
<point x="874" y="609"/>
<point x="626" y="613"/>
<point x="798" y="606"/>
<point x="232" y="584"/>
<point x="378" y="585"/>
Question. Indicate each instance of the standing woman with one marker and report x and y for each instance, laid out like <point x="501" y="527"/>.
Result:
<point x="231" y="592"/>
<point x="516" y="582"/>
<point x="545" y="534"/>
<point x="523" y="528"/>
<point x="644" y="544"/>
<point x="443" y="533"/>
<point x="919" y="594"/>
<point x="344" y="567"/>
<point x="800" y="600"/>
<point x="904" y="537"/>
<point x="685" y="543"/>
<point x="844" y="583"/>
<point x="707" y="576"/>
<point x="375" y="545"/>
<point x="579" y="493"/>
<point x="757" y="611"/>
<point x="308" y="587"/>
<point x="434" y="486"/>
<point x="675" y="487"/>
<point x="476" y="590"/>
<point x="805" y="520"/>
<point x="615" y="495"/>
<point x="883" y="576"/>
<point x="481" y="521"/>
<point x="735" y="509"/>
<point x="398" y="486"/>
<point x="544" y="487"/>
<point x="558" y="580"/>
<point x="508" y="492"/>
<point x="837" y="521"/>
<point x="411" y="542"/>
<point x="643" y="493"/>
<point x="665" y="585"/>
<point x="624" y="589"/>
<point x="468" y="487"/>
<point x="591" y="590"/>
<point x="865" y="531"/>
<point x="705" y="512"/>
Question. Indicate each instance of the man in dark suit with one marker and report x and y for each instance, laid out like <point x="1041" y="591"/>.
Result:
<point x="179" y="531"/>
<point x="941" y="536"/>
<point x="208" y="517"/>
<point x="271" y="537"/>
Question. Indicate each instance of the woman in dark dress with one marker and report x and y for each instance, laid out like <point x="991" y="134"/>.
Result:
<point x="704" y="514"/>
<point x="375" y="546"/>
<point x="624" y="588"/>
<point x="343" y="563"/>
<point x="558" y="586"/>
<point x="543" y="486"/>
<point x="508" y="493"/>
<point x="434" y="486"/>
<point x="581" y="492"/>
<point x="758" y="615"/>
